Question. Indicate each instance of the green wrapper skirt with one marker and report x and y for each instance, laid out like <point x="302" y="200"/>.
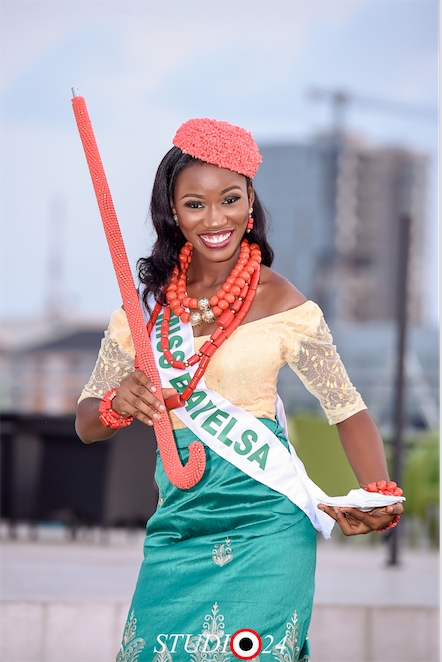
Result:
<point x="229" y="554"/>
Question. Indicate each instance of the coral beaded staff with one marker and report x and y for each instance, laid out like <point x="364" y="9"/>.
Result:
<point x="183" y="477"/>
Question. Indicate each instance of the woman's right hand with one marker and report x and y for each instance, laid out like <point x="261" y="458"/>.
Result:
<point x="136" y="397"/>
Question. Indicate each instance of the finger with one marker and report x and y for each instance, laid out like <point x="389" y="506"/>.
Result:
<point x="385" y="514"/>
<point x="395" y="509"/>
<point x="147" y="418"/>
<point x="140" y="377"/>
<point x="140" y="404"/>
<point x="349" y="524"/>
<point x="143" y="395"/>
<point x="328" y="510"/>
<point x="140" y="410"/>
<point x="378" y="520"/>
<point x="355" y="513"/>
<point x="344" y="519"/>
<point x="373" y="520"/>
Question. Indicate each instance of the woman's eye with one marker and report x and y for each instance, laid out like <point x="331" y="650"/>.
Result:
<point x="194" y="204"/>
<point x="231" y="199"/>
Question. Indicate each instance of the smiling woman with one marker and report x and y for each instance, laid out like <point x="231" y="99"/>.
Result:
<point x="229" y="563"/>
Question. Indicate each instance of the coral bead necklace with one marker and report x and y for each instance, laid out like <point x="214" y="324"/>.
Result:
<point x="205" y="310"/>
<point x="228" y="307"/>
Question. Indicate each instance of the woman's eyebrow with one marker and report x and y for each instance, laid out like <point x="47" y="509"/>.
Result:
<point x="191" y="195"/>
<point x="230" y="188"/>
<point x="196" y="195"/>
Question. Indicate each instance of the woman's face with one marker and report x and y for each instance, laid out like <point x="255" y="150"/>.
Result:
<point x="212" y="205"/>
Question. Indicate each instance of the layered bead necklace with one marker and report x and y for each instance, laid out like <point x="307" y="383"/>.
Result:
<point x="228" y="307"/>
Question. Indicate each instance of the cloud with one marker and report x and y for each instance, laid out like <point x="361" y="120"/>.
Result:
<point x="157" y="34"/>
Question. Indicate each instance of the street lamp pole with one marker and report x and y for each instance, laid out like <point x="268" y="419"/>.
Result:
<point x="402" y="331"/>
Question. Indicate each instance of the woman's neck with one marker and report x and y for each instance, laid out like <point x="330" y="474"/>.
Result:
<point x="205" y="275"/>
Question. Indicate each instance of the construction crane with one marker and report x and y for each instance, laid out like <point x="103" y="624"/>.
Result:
<point x="340" y="101"/>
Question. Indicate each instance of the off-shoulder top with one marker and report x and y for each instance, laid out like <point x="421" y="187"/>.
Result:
<point x="245" y="368"/>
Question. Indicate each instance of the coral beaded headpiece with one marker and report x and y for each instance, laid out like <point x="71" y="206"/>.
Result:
<point x="221" y="144"/>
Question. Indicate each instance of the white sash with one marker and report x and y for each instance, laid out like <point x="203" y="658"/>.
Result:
<point x="236" y="435"/>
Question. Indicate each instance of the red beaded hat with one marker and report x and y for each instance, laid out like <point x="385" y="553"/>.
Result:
<point x="219" y="143"/>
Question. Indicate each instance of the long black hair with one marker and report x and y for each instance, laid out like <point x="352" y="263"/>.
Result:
<point x="155" y="271"/>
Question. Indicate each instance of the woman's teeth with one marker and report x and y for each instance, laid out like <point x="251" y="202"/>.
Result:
<point x="215" y="238"/>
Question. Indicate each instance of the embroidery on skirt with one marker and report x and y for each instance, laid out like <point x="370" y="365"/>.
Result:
<point x="210" y="644"/>
<point x="163" y="656"/>
<point x="132" y="645"/>
<point x="290" y="652"/>
<point x="222" y="553"/>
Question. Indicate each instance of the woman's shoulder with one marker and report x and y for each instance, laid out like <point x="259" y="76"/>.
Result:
<point x="118" y="330"/>
<point x="277" y="294"/>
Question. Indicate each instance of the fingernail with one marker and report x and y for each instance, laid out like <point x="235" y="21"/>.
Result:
<point x="153" y="388"/>
<point x="162" y="407"/>
<point x="336" y="509"/>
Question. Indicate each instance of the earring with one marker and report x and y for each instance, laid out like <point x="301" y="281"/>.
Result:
<point x="175" y="218"/>
<point x="250" y="222"/>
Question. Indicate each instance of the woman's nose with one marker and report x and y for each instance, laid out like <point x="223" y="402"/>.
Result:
<point x="215" y="217"/>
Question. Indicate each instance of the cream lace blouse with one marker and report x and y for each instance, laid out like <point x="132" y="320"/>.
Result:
<point x="245" y="368"/>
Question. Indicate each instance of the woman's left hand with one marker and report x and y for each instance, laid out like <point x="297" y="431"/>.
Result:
<point x="354" y="522"/>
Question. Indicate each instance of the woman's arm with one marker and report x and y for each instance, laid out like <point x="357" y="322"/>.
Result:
<point x="364" y="449"/>
<point x="313" y="357"/>
<point x="87" y="424"/>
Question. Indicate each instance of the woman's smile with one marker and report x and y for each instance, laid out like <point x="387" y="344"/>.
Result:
<point x="216" y="239"/>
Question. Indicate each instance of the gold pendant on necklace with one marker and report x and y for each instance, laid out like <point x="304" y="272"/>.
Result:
<point x="203" y="314"/>
<point x="203" y="304"/>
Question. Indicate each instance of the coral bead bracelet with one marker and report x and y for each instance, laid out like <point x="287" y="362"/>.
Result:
<point x="390" y="489"/>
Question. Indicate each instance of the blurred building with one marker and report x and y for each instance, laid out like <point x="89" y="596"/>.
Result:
<point x="336" y="205"/>
<point x="46" y="364"/>
<point x="46" y="473"/>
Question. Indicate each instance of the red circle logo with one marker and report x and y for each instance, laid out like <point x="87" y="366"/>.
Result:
<point x="245" y="644"/>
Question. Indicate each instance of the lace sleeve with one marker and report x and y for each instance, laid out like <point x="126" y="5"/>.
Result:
<point x="115" y="359"/>
<point x="319" y="366"/>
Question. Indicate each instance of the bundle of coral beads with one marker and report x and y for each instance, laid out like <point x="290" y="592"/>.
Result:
<point x="382" y="487"/>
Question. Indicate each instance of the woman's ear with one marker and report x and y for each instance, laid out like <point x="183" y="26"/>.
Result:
<point x="251" y="194"/>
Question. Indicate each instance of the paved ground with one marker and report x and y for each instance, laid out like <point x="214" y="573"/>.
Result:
<point x="105" y="568"/>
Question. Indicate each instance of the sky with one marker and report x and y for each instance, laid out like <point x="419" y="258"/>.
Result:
<point x="144" y="68"/>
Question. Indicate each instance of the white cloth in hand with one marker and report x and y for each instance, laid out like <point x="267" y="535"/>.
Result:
<point x="362" y="500"/>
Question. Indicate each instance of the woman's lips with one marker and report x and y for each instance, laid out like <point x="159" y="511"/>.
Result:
<point x="216" y="239"/>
